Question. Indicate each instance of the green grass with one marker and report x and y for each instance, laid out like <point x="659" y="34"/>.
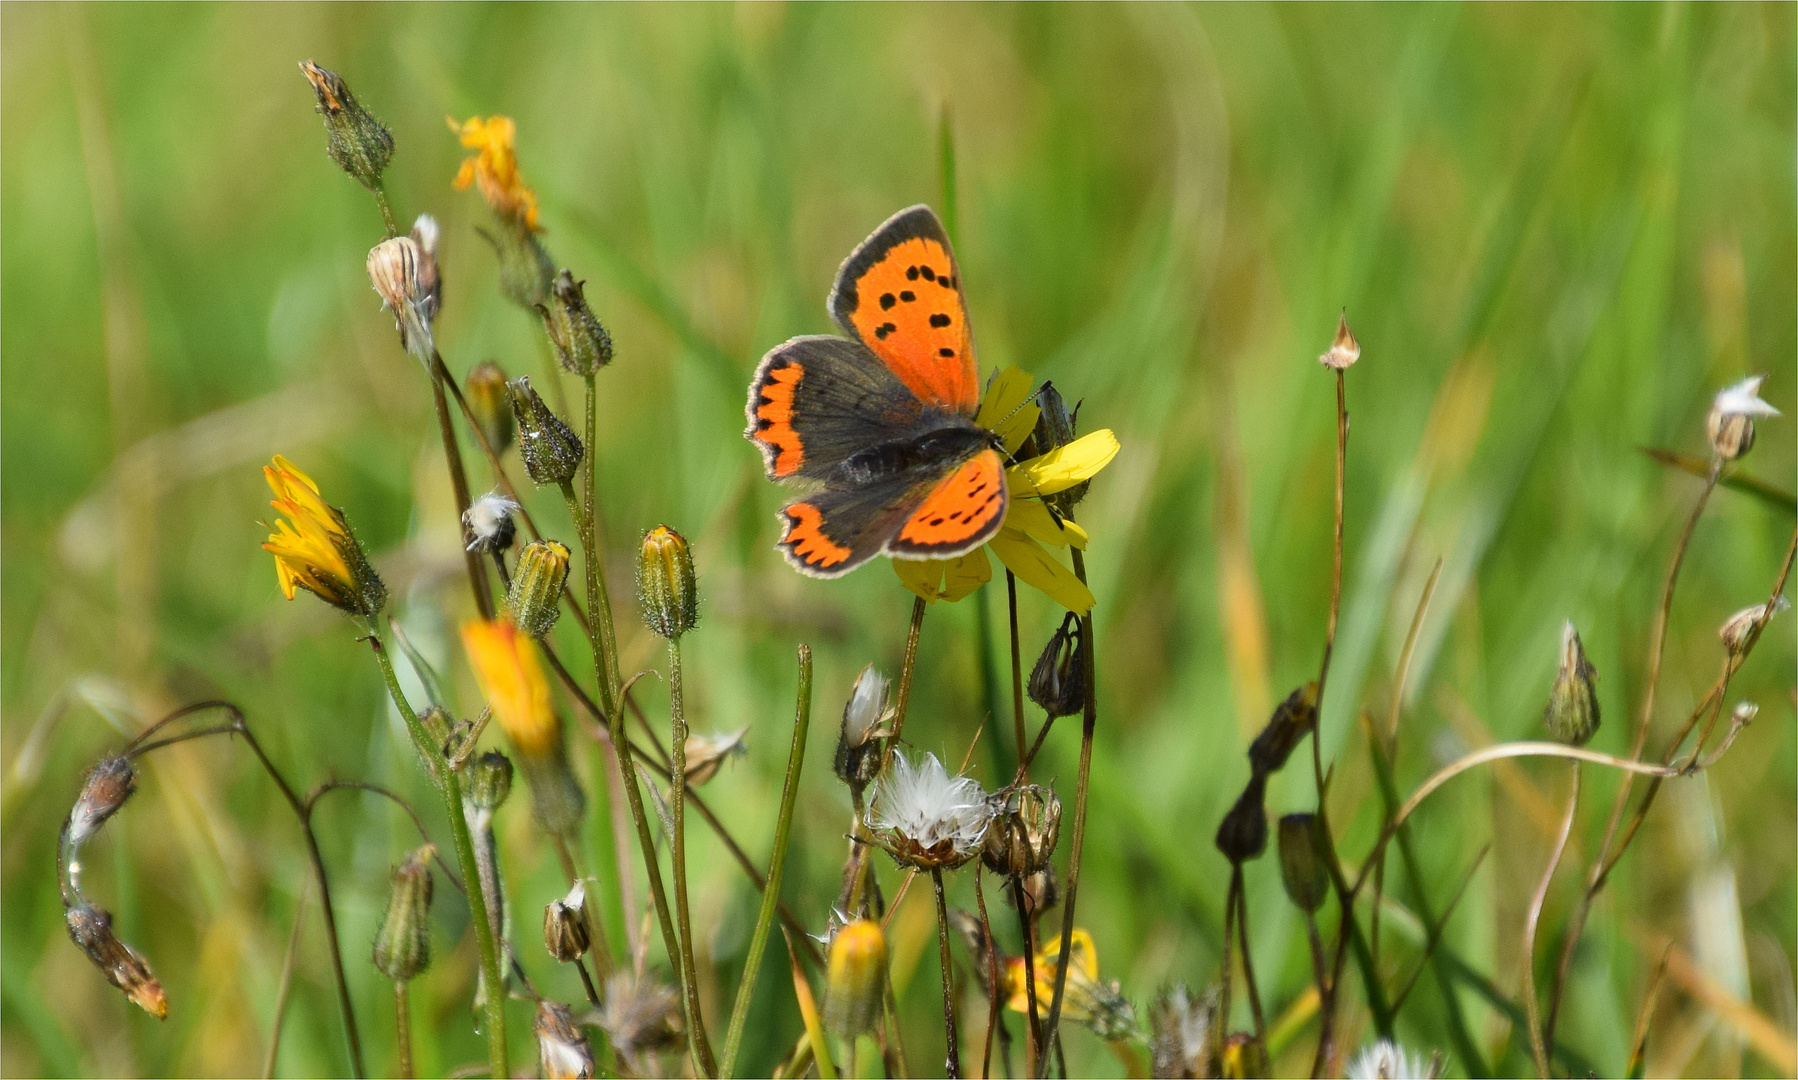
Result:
<point x="1557" y="231"/>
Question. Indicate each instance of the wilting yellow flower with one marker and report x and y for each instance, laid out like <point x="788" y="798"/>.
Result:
<point x="1101" y="1006"/>
<point x="1006" y="410"/>
<point x="495" y="168"/>
<point x="505" y="664"/>
<point x="313" y="548"/>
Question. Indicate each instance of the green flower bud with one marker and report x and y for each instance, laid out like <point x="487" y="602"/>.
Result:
<point x="403" y="944"/>
<point x="535" y="599"/>
<point x="665" y="583"/>
<point x="491" y="404"/>
<point x="525" y="270"/>
<point x="552" y="452"/>
<point x="1304" y="863"/>
<point x="360" y="144"/>
<point x="1293" y="719"/>
<point x="1572" y="710"/>
<point x="567" y="931"/>
<point x="492" y="781"/>
<point x="582" y="344"/>
<point x="1242" y="835"/>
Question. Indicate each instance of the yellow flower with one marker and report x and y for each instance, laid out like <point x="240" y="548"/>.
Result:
<point x="1101" y="1006"/>
<point x="313" y="548"/>
<point x="505" y="665"/>
<point x="1007" y="410"/>
<point x="495" y="168"/>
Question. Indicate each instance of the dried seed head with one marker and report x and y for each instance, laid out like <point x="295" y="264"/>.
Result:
<point x="1730" y="423"/>
<point x="108" y="785"/>
<point x="1572" y="710"/>
<point x="927" y="819"/>
<point x="91" y="930"/>
<point x="1056" y="426"/>
<point x="1386" y="1060"/>
<point x="1343" y="351"/>
<point x="492" y="781"/>
<point x="1058" y="681"/>
<point x="639" y="1017"/>
<point x="1243" y="833"/>
<point x="403" y="944"/>
<point x="1304" y="863"/>
<point x="706" y="753"/>
<point x="535" y="598"/>
<point x="552" y="452"/>
<point x="1026" y="824"/>
<point x="491" y="403"/>
<point x="562" y="1051"/>
<point x="581" y="343"/>
<point x="403" y="270"/>
<point x="1181" y="1033"/>
<point x="1042" y="890"/>
<point x="1293" y="719"/>
<point x="360" y="144"/>
<point x="1741" y="630"/>
<point x="858" y="746"/>
<point x="489" y="523"/>
<point x="666" y="587"/>
<point x="855" y="979"/>
<point x="567" y="930"/>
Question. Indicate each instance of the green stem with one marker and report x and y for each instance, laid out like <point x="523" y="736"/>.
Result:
<point x="1089" y="724"/>
<point x="402" y="1026"/>
<point x="387" y="219"/>
<point x="777" y="862"/>
<point x="697" y="1043"/>
<point x="449" y="789"/>
<point x="599" y="604"/>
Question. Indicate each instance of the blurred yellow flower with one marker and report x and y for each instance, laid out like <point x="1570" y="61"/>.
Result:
<point x="1007" y="410"/>
<point x="1101" y="1006"/>
<point x="495" y="168"/>
<point x="505" y="665"/>
<point x="313" y="548"/>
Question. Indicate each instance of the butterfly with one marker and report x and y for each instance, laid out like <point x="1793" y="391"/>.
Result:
<point x="879" y="426"/>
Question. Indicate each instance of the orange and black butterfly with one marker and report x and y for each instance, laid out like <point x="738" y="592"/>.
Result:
<point x="880" y="425"/>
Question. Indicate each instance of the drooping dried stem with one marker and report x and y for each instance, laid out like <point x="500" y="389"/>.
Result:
<point x="1532" y="919"/>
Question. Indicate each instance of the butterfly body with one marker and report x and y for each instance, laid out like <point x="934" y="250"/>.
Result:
<point x="880" y="425"/>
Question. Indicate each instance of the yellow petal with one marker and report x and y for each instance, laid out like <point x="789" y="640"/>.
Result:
<point x="1038" y="569"/>
<point x="1000" y="410"/>
<point x="966" y="573"/>
<point x="924" y="577"/>
<point x="1061" y="469"/>
<point x="1032" y="517"/>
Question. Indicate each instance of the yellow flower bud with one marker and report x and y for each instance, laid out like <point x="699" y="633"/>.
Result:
<point x="535" y="599"/>
<point x="855" y="978"/>
<point x="666" y="585"/>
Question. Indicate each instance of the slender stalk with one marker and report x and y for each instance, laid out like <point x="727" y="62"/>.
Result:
<point x="697" y="1043"/>
<point x="402" y="1027"/>
<point x="1017" y="675"/>
<point x="1248" y="963"/>
<point x="449" y="789"/>
<point x="1532" y="1008"/>
<point x="1033" y="1029"/>
<point x="452" y="455"/>
<point x="286" y="984"/>
<point x="953" y="1062"/>
<point x="777" y="861"/>
<point x="1433" y="933"/>
<point x="599" y="604"/>
<point x="992" y="976"/>
<point x="387" y="219"/>
<point x="902" y="700"/>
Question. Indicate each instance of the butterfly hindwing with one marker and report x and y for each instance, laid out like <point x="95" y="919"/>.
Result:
<point x="833" y="531"/>
<point x="961" y="512"/>
<point x="900" y="293"/>
<point x="815" y="401"/>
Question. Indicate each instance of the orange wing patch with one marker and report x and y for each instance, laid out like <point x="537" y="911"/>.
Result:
<point x="774" y="419"/>
<point x="909" y="312"/>
<point x="962" y="513"/>
<point x="805" y="541"/>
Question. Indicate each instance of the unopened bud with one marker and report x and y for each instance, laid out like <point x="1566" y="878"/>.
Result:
<point x="552" y="452"/>
<point x="535" y="599"/>
<point x="360" y="144"/>
<point x="525" y="270"/>
<point x="855" y="979"/>
<point x="1572" y="711"/>
<point x="1304" y="864"/>
<point x="1244" y="1056"/>
<point x="581" y="343"/>
<point x="556" y="796"/>
<point x="108" y="785"/>
<point x="1058" y="681"/>
<point x="1243" y="833"/>
<point x="567" y="931"/>
<point x="491" y="403"/>
<point x="403" y="944"/>
<point x="489" y="523"/>
<point x="1057" y="426"/>
<point x="91" y="930"/>
<point x="1740" y="630"/>
<point x="665" y="583"/>
<point x="1730" y="423"/>
<point x="1293" y="719"/>
<point x="1345" y="350"/>
<point x="492" y="781"/>
<point x="562" y="1051"/>
<point x="437" y="723"/>
<point x="706" y="753"/>
<point x="403" y="270"/>
<point x="1025" y="826"/>
<point x="858" y="748"/>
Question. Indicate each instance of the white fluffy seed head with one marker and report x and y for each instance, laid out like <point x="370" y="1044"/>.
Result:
<point x="489" y="521"/>
<point x="1386" y="1060"/>
<point x="932" y="821"/>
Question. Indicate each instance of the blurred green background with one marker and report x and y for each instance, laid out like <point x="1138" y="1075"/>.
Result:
<point x="1557" y="231"/>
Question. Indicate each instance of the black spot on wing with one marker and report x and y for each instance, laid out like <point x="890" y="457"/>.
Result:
<point x="939" y="320"/>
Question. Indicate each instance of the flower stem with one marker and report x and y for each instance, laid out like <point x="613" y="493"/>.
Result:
<point x="1017" y="676"/>
<point x="697" y="1043"/>
<point x="1532" y="1008"/>
<point x="1089" y="724"/>
<point x="992" y="978"/>
<point x="777" y="861"/>
<point x="402" y="1027"/>
<point x="953" y="1061"/>
<point x="449" y="789"/>
<point x="452" y="456"/>
<point x="903" y="698"/>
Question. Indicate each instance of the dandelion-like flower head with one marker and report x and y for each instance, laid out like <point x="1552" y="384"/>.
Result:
<point x="928" y="819"/>
<point x="1743" y="399"/>
<point x="313" y="548"/>
<point x="495" y="168"/>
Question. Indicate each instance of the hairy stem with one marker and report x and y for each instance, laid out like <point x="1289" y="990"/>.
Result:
<point x="697" y="1043"/>
<point x="402" y="1027"/>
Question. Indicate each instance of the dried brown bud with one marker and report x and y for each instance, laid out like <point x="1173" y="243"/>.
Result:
<point x="858" y="743"/>
<point x="1293" y="719"/>
<point x="562" y="1050"/>
<point x="1058" y="681"/>
<point x="360" y="144"/>
<point x="491" y="403"/>
<point x="1042" y="890"/>
<point x="1182" y="1032"/>
<point x="108" y="785"/>
<point x="640" y="1017"/>
<point x="567" y="930"/>
<point x="581" y="343"/>
<point x="1243" y="833"/>
<point x="552" y="452"/>
<point x="91" y="929"/>
<point x="1730" y="423"/>
<point x="403" y="270"/>
<point x="1572" y="710"/>
<point x="1345" y="350"/>
<point x="1026" y="824"/>
<point x="706" y="753"/>
<point x="1304" y="861"/>
<point x="1740" y="630"/>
